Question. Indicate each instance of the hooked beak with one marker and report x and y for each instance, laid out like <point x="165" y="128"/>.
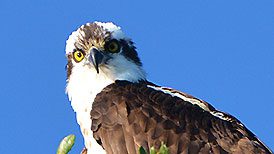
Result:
<point x="96" y="58"/>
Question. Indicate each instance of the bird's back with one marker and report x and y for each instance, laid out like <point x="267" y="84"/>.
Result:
<point x="128" y="115"/>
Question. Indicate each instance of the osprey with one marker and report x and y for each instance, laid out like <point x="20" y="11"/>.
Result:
<point x="119" y="110"/>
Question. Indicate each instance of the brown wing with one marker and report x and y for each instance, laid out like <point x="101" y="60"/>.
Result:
<point x="126" y="116"/>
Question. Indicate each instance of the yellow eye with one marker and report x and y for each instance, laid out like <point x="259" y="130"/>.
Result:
<point x="113" y="46"/>
<point x="78" y="56"/>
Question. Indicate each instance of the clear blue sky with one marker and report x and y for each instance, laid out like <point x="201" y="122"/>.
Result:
<point x="219" y="51"/>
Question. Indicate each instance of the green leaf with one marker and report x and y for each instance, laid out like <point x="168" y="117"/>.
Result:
<point x="152" y="150"/>
<point x="66" y="144"/>
<point x="163" y="149"/>
<point x="142" y="150"/>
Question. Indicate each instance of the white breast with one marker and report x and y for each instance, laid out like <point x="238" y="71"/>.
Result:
<point x="83" y="86"/>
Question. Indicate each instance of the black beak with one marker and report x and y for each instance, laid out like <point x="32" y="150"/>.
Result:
<point x="96" y="57"/>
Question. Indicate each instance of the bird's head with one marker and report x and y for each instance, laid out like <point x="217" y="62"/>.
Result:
<point x="103" y="49"/>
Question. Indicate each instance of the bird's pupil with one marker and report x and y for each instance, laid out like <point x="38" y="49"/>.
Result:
<point x="112" y="46"/>
<point x="79" y="54"/>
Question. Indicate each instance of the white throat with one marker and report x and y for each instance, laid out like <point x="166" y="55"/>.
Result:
<point x="84" y="84"/>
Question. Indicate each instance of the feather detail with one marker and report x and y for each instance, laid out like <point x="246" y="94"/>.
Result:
<point x="134" y="115"/>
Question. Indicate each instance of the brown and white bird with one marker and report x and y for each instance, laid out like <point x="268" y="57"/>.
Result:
<point x="118" y="110"/>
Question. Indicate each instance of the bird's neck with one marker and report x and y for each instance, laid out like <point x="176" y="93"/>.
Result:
<point x="85" y="83"/>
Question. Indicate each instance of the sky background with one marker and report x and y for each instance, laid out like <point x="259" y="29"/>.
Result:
<point x="219" y="51"/>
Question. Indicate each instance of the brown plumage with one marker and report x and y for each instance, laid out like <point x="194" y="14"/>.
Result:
<point x="131" y="113"/>
<point x="128" y="115"/>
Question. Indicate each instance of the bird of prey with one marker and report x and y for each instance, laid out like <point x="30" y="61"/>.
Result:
<point x="119" y="110"/>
